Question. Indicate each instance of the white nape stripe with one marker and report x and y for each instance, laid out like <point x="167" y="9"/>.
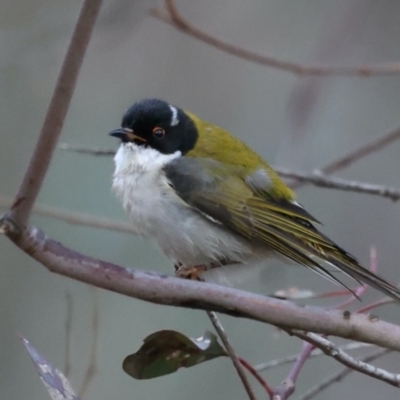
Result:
<point x="174" y="118"/>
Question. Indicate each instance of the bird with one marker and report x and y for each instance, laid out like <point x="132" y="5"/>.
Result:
<point x="208" y="200"/>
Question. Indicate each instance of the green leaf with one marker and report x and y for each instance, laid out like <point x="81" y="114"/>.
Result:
<point x="166" y="351"/>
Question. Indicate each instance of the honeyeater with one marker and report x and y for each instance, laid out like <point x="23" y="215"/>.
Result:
<point x="207" y="199"/>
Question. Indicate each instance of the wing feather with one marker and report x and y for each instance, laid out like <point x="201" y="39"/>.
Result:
<point x="221" y="192"/>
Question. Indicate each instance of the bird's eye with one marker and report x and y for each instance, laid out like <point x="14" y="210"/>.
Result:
<point x="158" y="132"/>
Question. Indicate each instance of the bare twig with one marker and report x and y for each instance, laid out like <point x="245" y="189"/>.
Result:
<point x="318" y="179"/>
<point x="300" y="361"/>
<point x="68" y="331"/>
<point x="232" y="354"/>
<point x="316" y="353"/>
<point x="256" y="375"/>
<point x="76" y="148"/>
<point x="340" y="375"/>
<point x="56" y="113"/>
<point x="366" y="149"/>
<point x="331" y="350"/>
<point x="161" y="289"/>
<point x="91" y="369"/>
<point x="175" y="19"/>
<point x="375" y="304"/>
<point x="76" y="218"/>
<point x="287" y="387"/>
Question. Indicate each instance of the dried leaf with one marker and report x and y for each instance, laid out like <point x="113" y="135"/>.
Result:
<point x="56" y="383"/>
<point x="166" y="351"/>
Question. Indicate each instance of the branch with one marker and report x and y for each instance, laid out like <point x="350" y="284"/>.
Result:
<point x="237" y="363"/>
<point x="375" y="304"/>
<point x="331" y="350"/>
<point x="258" y="377"/>
<point x="166" y="290"/>
<point x="366" y="149"/>
<point x="340" y="375"/>
<point x="288" y="386"/>
<point x="76" y="218"/>
<point x="92" y="368"/>
<point x="341" y="184"/>
<point x="175" y="19"/>
<point x="316" y="353"/>
<point x="316" y="178"/>
<point x="68" y="331"/>
<point x="56" y="112"/>
<point x="94" y="151"/>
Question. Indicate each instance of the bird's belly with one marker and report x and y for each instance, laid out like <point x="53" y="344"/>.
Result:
<point x="184" y="235"/>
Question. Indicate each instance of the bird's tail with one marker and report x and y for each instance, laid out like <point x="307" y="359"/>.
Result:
<point x="349" y="265"/>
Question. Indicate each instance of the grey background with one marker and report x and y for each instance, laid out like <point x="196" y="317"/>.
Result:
<point x="296" y="123"/>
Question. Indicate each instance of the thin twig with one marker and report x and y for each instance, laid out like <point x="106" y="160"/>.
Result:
<point x="320" y="180"/>
<point x="365" y="149"/>
<point x="301" y="359"/>
<point x="68" y="331"/>
<point x="340" y="375"/>
<point x="175" y="19"/>
<point x="166" y="290"/>
<point x="331" y="350"/>
<point x="257" y="376"/>
<point x="56" y="113"/>
<point x="287" y="387"/>
<point x="316" y="353"/>
<point x="316" y="178"/>
<point x="232" y="354"/>
<point x="76" y="218"/>
<point x="94" y="151"/>
<point x="91" y="369"/>
<point x="375" y="304"/>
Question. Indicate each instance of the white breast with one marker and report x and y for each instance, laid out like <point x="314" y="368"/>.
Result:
<point x="183" y="234"/>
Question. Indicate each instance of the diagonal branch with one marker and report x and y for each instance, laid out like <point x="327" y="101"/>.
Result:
<point x="175" y="19"/>
<point x="316" y="353"/>
<point x="56" y="113"/>
<point x="161" y="289"/>
<point x="76" y="218"/>
<point x="342" y="184"/>
<point x="340" y="375"/>
<point x="331" y="350"/>
<point x="94" y="151"/>
<point x="375" y="144"/>
<point x="372" y="146"/>
<point x="232" y="353"/>
<point x="316" y="178"/>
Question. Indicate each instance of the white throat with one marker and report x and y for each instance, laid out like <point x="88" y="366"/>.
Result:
<point x="139" y="181"/>
<point x="132" y="158"/>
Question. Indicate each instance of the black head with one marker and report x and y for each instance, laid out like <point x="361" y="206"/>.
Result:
<point x="159" y="125"/>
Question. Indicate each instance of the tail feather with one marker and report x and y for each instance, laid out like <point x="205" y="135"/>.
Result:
<point x="356" y="271"/>
<point x="335" y="256"/>
<point x="346" y="263"/>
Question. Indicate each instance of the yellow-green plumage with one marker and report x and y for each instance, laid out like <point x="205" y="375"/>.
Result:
<point x="207" y="198"/>
<point x="268" y="215"/>
<point x="218" y="144"/>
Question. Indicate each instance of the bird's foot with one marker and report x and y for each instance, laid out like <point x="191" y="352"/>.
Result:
<point x="190" y="272"/>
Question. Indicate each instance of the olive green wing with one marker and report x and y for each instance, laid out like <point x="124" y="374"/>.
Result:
<point x="225" y="195"/>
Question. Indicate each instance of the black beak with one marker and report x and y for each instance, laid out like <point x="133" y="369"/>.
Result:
<point x="119" y="133"/>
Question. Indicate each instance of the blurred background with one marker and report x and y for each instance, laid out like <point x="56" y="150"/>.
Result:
<point x="298" y="123"/>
